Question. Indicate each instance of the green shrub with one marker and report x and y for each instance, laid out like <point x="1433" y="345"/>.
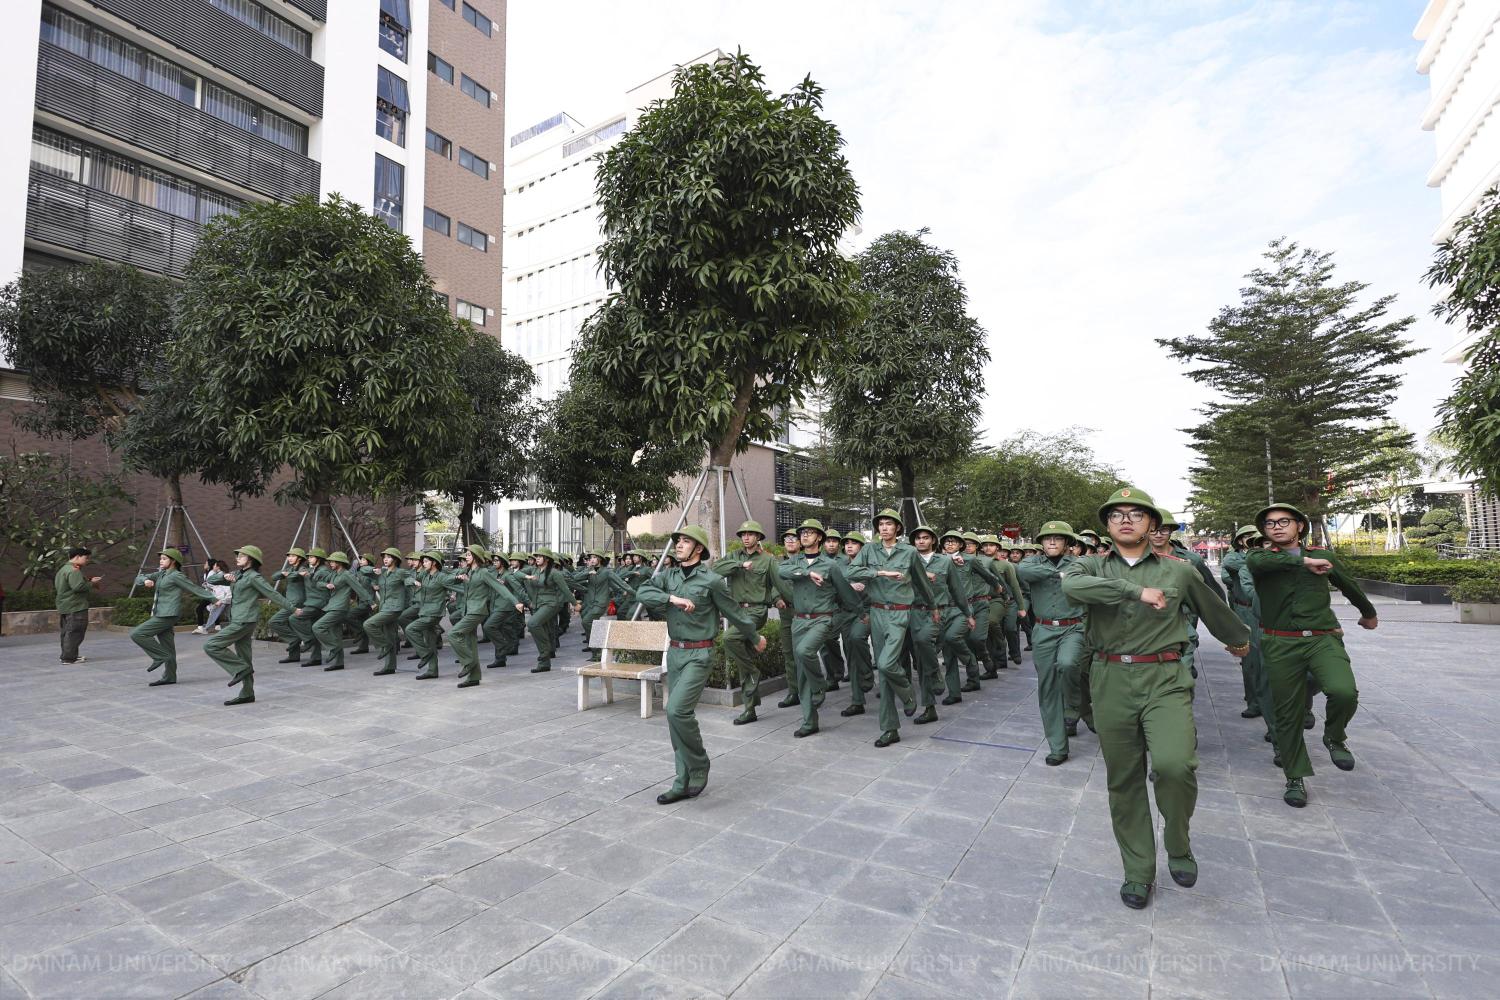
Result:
<point x="134" y="610"/>
<point x="771" y="662"/>
<point x="45" y="599"/>
<point x="263" y="629"/>
<point x="1476" y="591"/>
<point x="1438" y="526"/>
<point x="1400" y="568"/>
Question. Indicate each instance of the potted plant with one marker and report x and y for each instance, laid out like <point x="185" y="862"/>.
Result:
<point x="1477" y="601"/>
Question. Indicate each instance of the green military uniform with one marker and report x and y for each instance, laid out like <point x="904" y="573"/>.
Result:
<point x="315" y="580"/>
<point x="891" y="597"/>
<point x="752" y="585"/>
<point x="833" y="656"/>
<point x="788" y="646"/>
<point x="815" y="606"/>
<point x="1007" y="602"/>
<point x="413" y="606"/>
<point x="71" y="590"/>
<point x="857" y="638"/>
<point x="383" y="627"/>
<point x="283" y="622"/>
<point x="599" y="584"/>
<point x="690" y="654"/>
<point x="156" y="635"/>
<point x="980" y="579"/>
<point x="1301" y="636"/>
<point x="1240" y="586"/>
<point x="360" y="610"/>
<point x="231" y="647"/>
<point x="432" y="586"/>
<point x="1058" y="637"/>
<point x="1142" y="695"/>
<point x="344" y="590"/>
<point x="950" y="600"/>
<point x="482" y="587"/>
<point x="549" y="596"/>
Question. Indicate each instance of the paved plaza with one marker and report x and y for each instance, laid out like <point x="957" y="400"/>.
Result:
<point x="368" y="837"/>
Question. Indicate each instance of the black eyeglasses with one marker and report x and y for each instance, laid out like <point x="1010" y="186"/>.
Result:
<point x="1278" y="522"/>
<point x="1134" y="515"/>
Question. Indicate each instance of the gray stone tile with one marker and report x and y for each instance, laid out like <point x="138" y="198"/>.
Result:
<point x="735" y="852"/>
<point x="39" y="897"/>
<point x="793" y="972"/>
<point x="689" y="883"/>
<point x="556" y="848"/>
<point x="444" y="860"/>
<point x="1350" y="905"/>
<point x="1185" y="966"/>
<point x="642" y="984"/>
<point x="317" y="965"/>
<point x="57" y="927"/>
<point x="473" y="949"/>
<point x="853" y="933"/>
<point x="247" y="941"/>
<point x="621" y="868"/>
<point x="1349" y="950"/>
<point x="499" y="878"/>
<point x="558" y="968"/>
<point x="767" y="906"/>
<point x="558" y="900"/>
<point x="919" y="855"/>
<point x="413" y="919"/>
<point x="361" y="893"/>
<point x="903" y="893"/>
<point x="216" y="907"/>
<point x="316" y="872"/>
<point x="1309" y="983"/>
<point x="711" y="954"/>
<point x="957" y="964"/>
<point x="630" y="925"/>
<point x="1046" y="975"/>
<point x="397" y="980"/>
<point x="164" y="890"/>
<point x="992" y="915"/>
<point x="1095" y="942"/>
<point x="843" y="839"/>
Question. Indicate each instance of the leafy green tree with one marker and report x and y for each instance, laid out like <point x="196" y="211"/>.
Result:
<point x="1466" y="267"/>
<point x="588" y="461"/>
<point x="1301" y="367"/>
<point x="92" y="340"/>
<point x="1027" y="479"/>
<point x="46" y="505"/>
<point x="1389" y="486"/>
<point x="1439" y="526"/>
<point x="722" y="209"/>
<point x="908" y="387"/>
<point x="842" y="491"/>
<point x="313" y="342"/>
<point x="495" y="454"/>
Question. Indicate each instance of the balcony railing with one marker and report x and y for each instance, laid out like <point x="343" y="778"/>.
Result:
<point x="74" y="88"/>
<point x="76" y="217"/>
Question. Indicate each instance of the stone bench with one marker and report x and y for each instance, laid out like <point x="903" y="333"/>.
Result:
<point x="612" y="637"/>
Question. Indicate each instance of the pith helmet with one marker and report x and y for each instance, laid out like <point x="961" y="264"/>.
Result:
<point x="337" y="557"/>
<point x="921" y="528"/>
<point x="752" y="526"/>
<point x="834" y="534"/>
<point x="813" y="524"/>
<point x="253" y="551"/>
<point x="173" y="555"/>
<point x="951" y="533"/>
<point x="888" y="512"/>
<point x="391" y="551"/>
<point x="1129" y="496"/>
<point x="478" y="552"/>
<point x="297" y="550"/>
<point x="970" y="536"/>
<point x="1260" y="518"/>
<point x="694" y="532"/>
<point x="855" y="536"/>
<point x="414" y="554"/>
<point x="989" y="540"/>
<point x="1062" y="528"/>
<point x="317" y="553"/>
<point x="1248" y="529"/>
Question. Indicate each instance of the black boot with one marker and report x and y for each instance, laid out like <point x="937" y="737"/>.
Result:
<point x="929" y="714"/>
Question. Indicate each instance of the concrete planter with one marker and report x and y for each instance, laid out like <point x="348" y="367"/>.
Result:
<point x="1478" y="614"/>
<point x="1427" y="593"/>
<point x="42" y="622"/>
<point x="730" y="697"/>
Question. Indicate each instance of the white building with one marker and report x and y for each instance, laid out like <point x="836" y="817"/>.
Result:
<point x="1461" y="57"/>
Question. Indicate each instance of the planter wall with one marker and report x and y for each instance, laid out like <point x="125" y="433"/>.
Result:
<point x="1478" y="614"/>
<point x="1427" y="593"/>
<point x="40" y="622"/>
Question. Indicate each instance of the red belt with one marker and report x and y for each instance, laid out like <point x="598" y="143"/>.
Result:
<point x="1245" y="604"/>
<point x="980" y="599"/>
<point x="744" y="605"/>
<point x="814" y="614"/>
<point x="704" y="644"/>
<point x="1304" y="633"/>
<point x="1166" y="657"/>
<point x="891" y="607"/>
<point x="1059" y="621"/>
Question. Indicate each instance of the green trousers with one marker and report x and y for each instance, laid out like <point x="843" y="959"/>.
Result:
<point x="283" y="623"/>
<point x="833" y="656"/>
<point x="789" y="651"/>
<point x="994" y="628"/>
<point x="953" y="640"/>
<point x="978" y="640"/>
<point x="1143" y="709"/>
<point x="543" y="624"/>
<point x="857" y="657"/>
<point x="383" y="629"/>
<point x="687" y="673"/>
<point x="888" y="636"/>
<point x="502" y="630"/>
<point x="742" y="658"/>
<point x="922" y="634"/>
<point x="158" y="638"/>
<point x="810" y="639"/>
<point x="358" y="615"/>
<point x="1289" y="661"/>
<point x="303" y="626"/>
<point x="328" y="630"/>
<point x="1079" y="703"/>
<point x="1253" y="671"/>
<point x="425" y="633"/>
<point x="1013" y="631"/>
<point x="231" y="647"/>
<point x="1056" y="651"/>
<point x="465" y="642"/>
<point x="590" y="614"/>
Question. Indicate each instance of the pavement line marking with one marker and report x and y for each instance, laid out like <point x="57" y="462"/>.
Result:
<point x="981" y="743"/>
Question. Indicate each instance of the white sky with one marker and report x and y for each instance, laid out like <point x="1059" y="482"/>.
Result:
<point x="1105" y="170"/>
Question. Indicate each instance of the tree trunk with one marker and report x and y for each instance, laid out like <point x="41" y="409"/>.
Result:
<point x="320" y="516"/>
<point x="908" y="475"/>
<point x="722" y="453"/>
<point x="176" y="533"/>
<point x="465" y="519"/>
<point x="617" y="528"/>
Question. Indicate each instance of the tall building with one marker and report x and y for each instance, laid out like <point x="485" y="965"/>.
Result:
<point x="1461" y="57"/>
<point x="552" y="285"/>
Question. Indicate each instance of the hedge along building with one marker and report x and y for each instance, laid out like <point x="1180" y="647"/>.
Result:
<point x="147" y="118"/>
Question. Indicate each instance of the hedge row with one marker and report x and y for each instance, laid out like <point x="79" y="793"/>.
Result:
<point x="1402" y="568"/>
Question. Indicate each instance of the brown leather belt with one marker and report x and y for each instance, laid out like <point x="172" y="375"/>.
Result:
<point x="1245" y="604"/>
<point x="1166" y="657"/>
<point x="1304" y="633"/>
<point x="814" y="614"/>
<point x="704" y="644"/>
<point x="980" y="599"/>
<point x="891" y="607"/>
<point x="745" y="605"/>
<point x="1059" y="621"/>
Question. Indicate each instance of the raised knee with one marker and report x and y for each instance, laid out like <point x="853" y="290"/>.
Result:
<point x="1172" y="768"/>
<point x="1340" y="693"/>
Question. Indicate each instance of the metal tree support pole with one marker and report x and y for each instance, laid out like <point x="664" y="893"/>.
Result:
<point x="698" y="486"/>
<point x="296" y="535"/>
<point x="333" y="515"/>
<point x="915" y="510"/>
<point x="196" y="533"/>
<point x="161" y="527"/>
<point x="723" y="538"/>
<point x="315" y="509"/>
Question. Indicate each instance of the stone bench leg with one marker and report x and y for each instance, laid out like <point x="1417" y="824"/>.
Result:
<point x="583" y="693"/>
<point x="609" y="690"/>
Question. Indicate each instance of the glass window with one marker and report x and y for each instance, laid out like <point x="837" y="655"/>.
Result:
<point x="478" y="20"/>
<point x="443" y="70"/>
<point x="115" y="54"/>
<point x="56" y="155"/>
<point x="395" y="25"/>
<point x="211" y="204"/>
<point x="283" y="131"/>
<point x="390" y="190"/>
<point x="529" y="528"/>
<point x="475" y="238"/>
<point x="447" y="3"/>
<point x="168" y="193"/>
<point x="112" y="174"/>
<point x="474" y="164"/>
<point x="170" y="79"/>
<point x="467" y="310"/>
<point x="228" y="106"/>
<point x="65" y="31"/>
<point x="439" y="145"/>
<point x="262" y="20"/>
<point x="437" y="222"/>
<point x="473" y="88"/>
